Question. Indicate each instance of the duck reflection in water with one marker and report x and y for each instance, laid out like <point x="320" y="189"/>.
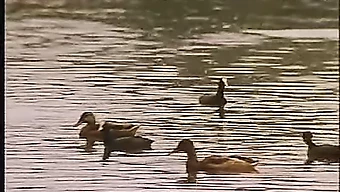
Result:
<point x="213" y="164"/>
<point x="191" y="178"/>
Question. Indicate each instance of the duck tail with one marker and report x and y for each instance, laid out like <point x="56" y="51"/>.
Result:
<point x="149" y="140"/>
<point x="246" y="159"/>
<point x="136" y="126"/>
<point x="256" y="171"/>
<point x="134" y="129"/>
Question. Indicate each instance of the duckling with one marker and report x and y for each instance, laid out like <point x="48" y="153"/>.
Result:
<point x="214" y="164"/>
<point x="216" y="100"/>
<point x="126" y="144"/>
<point x="328" y="153"/>
<point x="91" y="130"/>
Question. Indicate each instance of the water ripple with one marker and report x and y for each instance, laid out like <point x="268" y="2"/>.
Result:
<point x="56" y="69"/>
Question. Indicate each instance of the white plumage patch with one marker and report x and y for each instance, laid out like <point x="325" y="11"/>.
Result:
<point x="225" y="80"/>
<point x="100" y="119"/>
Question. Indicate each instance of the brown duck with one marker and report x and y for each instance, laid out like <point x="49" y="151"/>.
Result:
<point x="214" y="164"/>
<point x="327" y="153"/>
<point x="92" y="133"/>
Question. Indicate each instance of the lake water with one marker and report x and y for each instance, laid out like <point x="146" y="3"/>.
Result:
<point x="148" y="63"/>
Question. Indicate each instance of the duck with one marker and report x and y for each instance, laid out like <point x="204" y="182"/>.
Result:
<point x="91" y="131"/>
<point x="326" y="153"/>
<point x="214" y="164"/>
<point x="130" y="144"/>
<point x="216" y="100"/>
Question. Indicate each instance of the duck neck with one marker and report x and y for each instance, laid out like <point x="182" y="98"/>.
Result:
<point x="310" y="143"/>
<point x="107" y="137"/>
<point x="192" y="162"/>
<point x="92" y="124"/>
<point x="220" y="91"/>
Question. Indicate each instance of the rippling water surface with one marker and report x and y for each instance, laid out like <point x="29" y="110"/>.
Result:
<point x="281" y="82"/>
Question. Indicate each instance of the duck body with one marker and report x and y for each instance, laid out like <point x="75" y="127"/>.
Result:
<point x="213" y="164"/>
<point x="225" y="165"/>
<point x="130" y="144"/>
<point x="213" y="100"/>
<point x="118" y="126"/>
<point x="92" y="133"/>
<point x="326" y="153"/>
<point x="216" y="100"/>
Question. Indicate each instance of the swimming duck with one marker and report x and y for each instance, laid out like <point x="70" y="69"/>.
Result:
<point x="328" y="153"/>
<point x="127" y="144"/>
<point x="216" y="100"/>
<point x="91" y="130"/>
<point x="214" y="164"/>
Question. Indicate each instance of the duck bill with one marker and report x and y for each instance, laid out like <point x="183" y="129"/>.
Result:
<point x="226" y="83"/>
<point x="174" y="151"/>
<point x="78" y="123"/>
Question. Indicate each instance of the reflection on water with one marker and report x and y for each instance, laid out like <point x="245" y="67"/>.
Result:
<point x="279" y="86"/>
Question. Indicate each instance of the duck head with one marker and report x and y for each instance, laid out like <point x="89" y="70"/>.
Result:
<point x="86" y="117"/>
<point x="222" y="82"/>
<point x="186" y="145"/>
<point x="307" y="136"/>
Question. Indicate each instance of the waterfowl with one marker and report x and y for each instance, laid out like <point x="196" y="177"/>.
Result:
<point x="127" y="144"/>
<point x="328" y="153"/>
<point x="216" y="100"/>
<point x="214" y="164"/>
<point x="91" y="130"/>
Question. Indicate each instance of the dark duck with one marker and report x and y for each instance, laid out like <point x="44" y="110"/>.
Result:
<point x="131" y="144"/>
<point x="216" y="100"/>
<point x="214" y="164"/>
<point x="326" y="153"/>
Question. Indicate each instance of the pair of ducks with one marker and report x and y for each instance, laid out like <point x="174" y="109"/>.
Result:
<point x="116" y="137"/>
<point x="238" y="164"/>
